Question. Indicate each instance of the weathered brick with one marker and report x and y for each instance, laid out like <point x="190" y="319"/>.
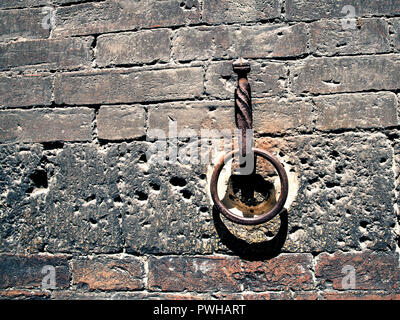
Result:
<point x="66" y="53"/>
<point x="27" y="90"/>
<point x="160" y="296"/>
<point x="133" y="48"/>
<point x="26" y="271"/>
<point x="9" y="4"/>
<point x="121" y="122"/>
<point x="104" y="87"/>
<point x="24" y="295"/>
<point x="314" y="9"/>
<point x="396" y="30"/>
<point x="327" y="38"/>
<point x="45" y="125"/>
<point x="357" y="295"/>
<point x="345" y="111"/>
<point x="347" y="74"/>
<point x="223" y="11"/>
<point x="280" y="115"/>
<point x="270" y="115"/>
<point x="24" y="23"/>
<point x="204" y="274"/>
<point x="192" y="115"/>
<point x="286" y="271"/>
<point x="373" y="271"/>
<point x="266" y="41"/>
<point x="200" y="274"/>
<point x="109" y="273"/>
<point x="284" y="295"/>
<point x="265" y="79"/>
<point x="120" y="15"/>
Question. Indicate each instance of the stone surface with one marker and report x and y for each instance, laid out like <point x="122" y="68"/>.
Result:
<point x="133" y="48"/>
<point x="105" y="86"/>
<point x="59" y="198"/>
<point x="46" y="125"/>
<point x="62" y="54"/>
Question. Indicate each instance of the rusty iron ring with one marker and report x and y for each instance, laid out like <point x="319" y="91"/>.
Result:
<point x="265" y="216"/>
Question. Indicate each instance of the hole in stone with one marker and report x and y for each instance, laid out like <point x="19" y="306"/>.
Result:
<point x="117" y="198"/>
<point x="90" y="198"/>
<point x="155" y="186"/>
<point x="39" y="179"/>
<point x="202" y="176"/>
<point x="186" y="194"/>
<point x="92" y="220"/>
<point x="142" y="196"/>
<point x="178" y="182"/>
<point x="203" y="209"/>
<point x="335" y="154"/>
<point x="364" y="239"/>
<point x="143" y="158"/>
<point x="53" y="145"/>
<point x="363" y="224"/>
<point x="251" y="194"/>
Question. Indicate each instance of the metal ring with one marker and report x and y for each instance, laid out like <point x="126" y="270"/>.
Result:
<point x="265" y="216"/>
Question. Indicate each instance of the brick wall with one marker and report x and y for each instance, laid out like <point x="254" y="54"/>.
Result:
<point x="83" y="82"/>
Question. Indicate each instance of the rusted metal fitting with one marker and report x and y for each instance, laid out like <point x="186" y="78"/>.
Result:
<point x="244" y="120"/>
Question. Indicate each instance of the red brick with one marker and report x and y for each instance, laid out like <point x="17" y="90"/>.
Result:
<point x="198" y="274"/>
<point x="18" y="271"/>
<point x="24" y="294"/>
<point x="109" y="273"/>
<point x="284" y="295"/>
<point x="373" y="271"/>
<point x="355" y="295"/>
<point x="202" y="274"/>
<point x="46" y="125"/>
<point x="286" y="271"/>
